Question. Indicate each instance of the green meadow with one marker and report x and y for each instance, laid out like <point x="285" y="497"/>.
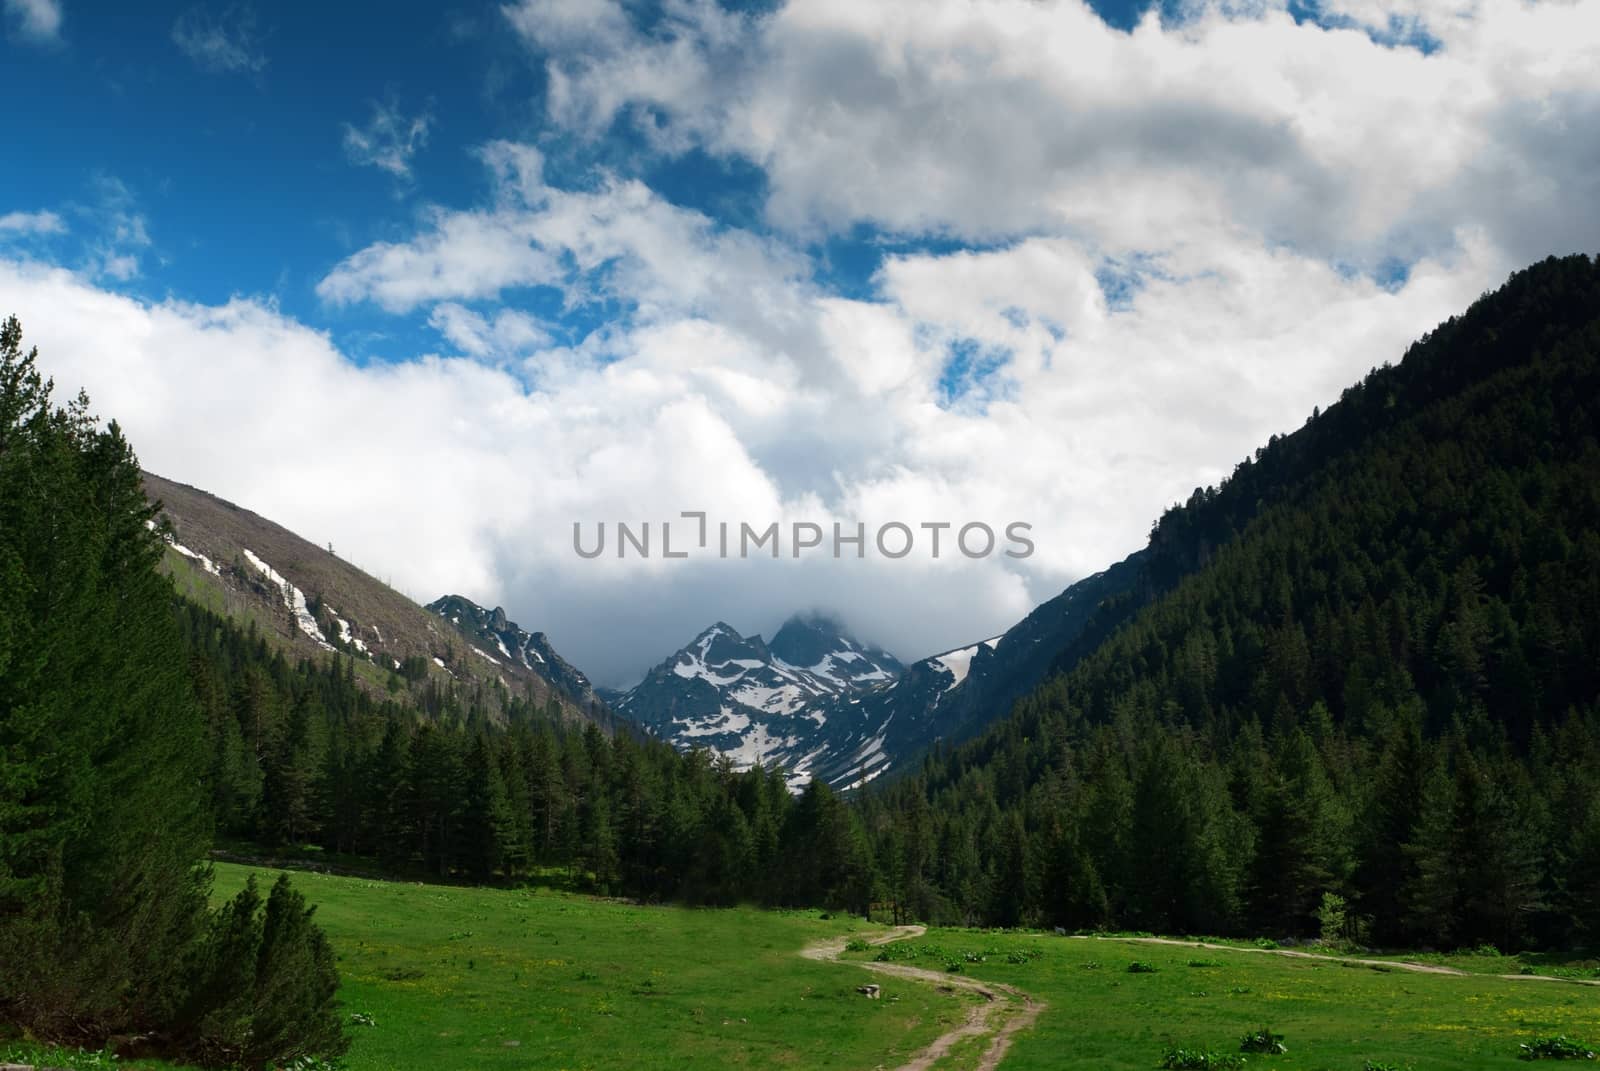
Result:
<point x="1333" y="1015"/>
<point x="443" y="977"/>
<point x="500" y="979"/>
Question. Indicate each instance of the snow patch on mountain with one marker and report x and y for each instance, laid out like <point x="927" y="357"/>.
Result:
<point x="293" y="598"/>
<point x="204" y="562"/>
<point x="345" y="634"/>
<point x="959" y="661"/>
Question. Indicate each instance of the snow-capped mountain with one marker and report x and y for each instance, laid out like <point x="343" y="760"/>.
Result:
<point x="867" y="732"/>
<point x="953" y="695"/>
<point x="822" y="706"/>
<point x="500" y="641"/>
<point x="749" y="699"/>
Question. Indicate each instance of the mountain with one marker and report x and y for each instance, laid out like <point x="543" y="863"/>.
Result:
<point x="503" y="642"/>
<point x="751" y="700"/>
<point x="821" y="705"/>
<point x="313" y="604"/>
<point x="947" y="697"/>
<point x="1363" y="667"/>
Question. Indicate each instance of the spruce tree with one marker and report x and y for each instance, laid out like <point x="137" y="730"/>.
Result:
<point x="103" y="812"/>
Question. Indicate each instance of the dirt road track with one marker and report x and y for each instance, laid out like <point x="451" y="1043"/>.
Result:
<point x="1380" y="964"/>
<point x="1009" y="1007"/>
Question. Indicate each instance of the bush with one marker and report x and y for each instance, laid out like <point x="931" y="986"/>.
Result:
<point x="1199" y="1060"/>
<point x="56" y="1056"/>
<point x="1140" y="967"/>
<point x="856" y="944"/>
<point x="1559" y="1047"/>
<point x="1332" y="918"/>
<point x="1263" y="1040"/>
<point x="265" y="985"/>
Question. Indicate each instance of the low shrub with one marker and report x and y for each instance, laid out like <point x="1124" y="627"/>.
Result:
<point x="1559" y="1047"/>
<point x="1200" y="1060"/>
<point x="1141" y="967"/>
<point x="57" y="1056"/>
<point x="1263" y="1040"/>
<point x="856" y="944"/>
<point x="265" y="986"/>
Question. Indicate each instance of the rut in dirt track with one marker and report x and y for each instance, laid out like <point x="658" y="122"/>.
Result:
<point x="1014" y="1010"/>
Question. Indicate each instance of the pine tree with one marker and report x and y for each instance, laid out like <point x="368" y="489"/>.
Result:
<point x="487" y="822"/>
<point x="102" y="749"/>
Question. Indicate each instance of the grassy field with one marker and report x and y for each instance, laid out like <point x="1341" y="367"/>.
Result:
<point x="1334" y="1016"/>
<point x="467" y="979"/>
<point x="500" y="979"/>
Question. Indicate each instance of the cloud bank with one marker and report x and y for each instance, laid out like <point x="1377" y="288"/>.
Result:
<point x="1123" y="261"/>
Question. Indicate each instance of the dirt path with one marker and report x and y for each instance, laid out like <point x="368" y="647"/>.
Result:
<point x="1015" y="1009"/>
<point x="1389" y="964"/>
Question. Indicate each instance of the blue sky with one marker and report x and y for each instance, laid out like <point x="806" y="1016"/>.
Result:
<point x="240" y="171"/>
<point x="434" y="284"/>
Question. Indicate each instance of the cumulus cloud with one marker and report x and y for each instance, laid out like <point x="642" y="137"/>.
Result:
<point x="1154" y="250"/>
<point x="17" y="223"/>
<point x="503" y="333"/>
<point x="794" y="406"/>
<point x="1016" y="117"/>
<point x="389" y="140"/>
<point x="225" y="42"/>
<point x="38" y="21"/>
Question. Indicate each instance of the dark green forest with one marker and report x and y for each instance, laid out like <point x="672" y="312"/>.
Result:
<point x="1365" y="669"/>
<point x="1375" y="674"/>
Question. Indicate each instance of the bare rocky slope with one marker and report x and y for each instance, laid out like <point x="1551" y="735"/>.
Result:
<point x="317" y="605"/>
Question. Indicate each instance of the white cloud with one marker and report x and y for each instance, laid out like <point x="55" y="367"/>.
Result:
<point x="505" y="333"/>
<point x="389" y="140"/>
<point x="1021" y="117"/>
<point x="785" y="405"/>
<point x="32" y="223"/>
<point x="222" y="43"/>
<point x="122" y="234"/>
<point x="38" y="21"/>
<point x="1081" y="415"/>
<point x="1180" y="240"/>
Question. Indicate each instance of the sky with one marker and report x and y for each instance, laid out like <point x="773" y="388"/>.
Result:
<point x="433" y="284"/>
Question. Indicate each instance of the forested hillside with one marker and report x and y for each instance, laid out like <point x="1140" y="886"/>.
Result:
<point x="1372" y="708"/>
<point x="301" y="755"/>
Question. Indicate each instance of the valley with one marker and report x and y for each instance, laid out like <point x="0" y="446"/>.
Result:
<point x="1340" y="715"/>
<point x="537" y="977"/>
